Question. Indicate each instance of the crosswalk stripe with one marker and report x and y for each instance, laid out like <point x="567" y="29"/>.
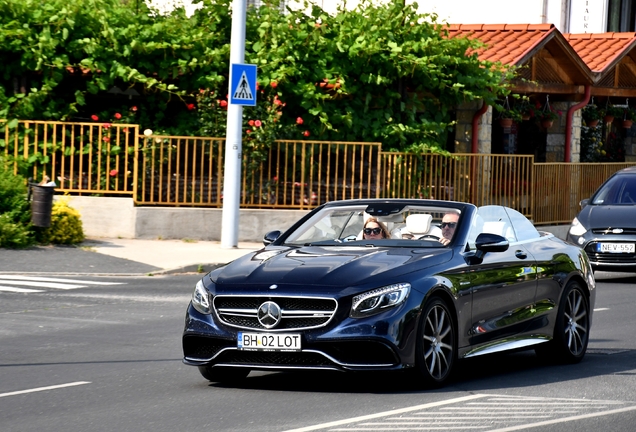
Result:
<point x="44" y="279"/>
<point x="43" y="284"/>
<point x="18" y="290"/>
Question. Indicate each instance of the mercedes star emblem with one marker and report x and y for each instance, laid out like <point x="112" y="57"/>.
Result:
<point x="269" y="314"/>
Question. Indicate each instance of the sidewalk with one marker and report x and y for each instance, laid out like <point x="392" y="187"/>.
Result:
<point x="101" y="256"/>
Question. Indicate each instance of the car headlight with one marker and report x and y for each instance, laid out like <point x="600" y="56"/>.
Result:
<point x="201" y="299"/>
<point x="379" y="300"/>
<point x="577" y="228"/>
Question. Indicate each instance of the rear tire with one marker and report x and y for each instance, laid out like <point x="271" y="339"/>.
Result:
<point x="436" y="349"/>
<point x="571" y="330"/>
<point x="223" y="374"/>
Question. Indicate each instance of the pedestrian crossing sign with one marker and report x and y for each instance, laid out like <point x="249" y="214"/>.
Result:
<point x="243" y="84"/>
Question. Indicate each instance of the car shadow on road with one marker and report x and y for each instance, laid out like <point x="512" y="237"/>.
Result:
<point x="485" y="373"/>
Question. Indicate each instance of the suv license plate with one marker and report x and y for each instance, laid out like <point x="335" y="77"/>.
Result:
<point x="615" y="247"/>
<point x="268" y="341"/>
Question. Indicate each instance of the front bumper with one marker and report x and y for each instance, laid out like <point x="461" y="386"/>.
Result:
<point x="383" y="342"/>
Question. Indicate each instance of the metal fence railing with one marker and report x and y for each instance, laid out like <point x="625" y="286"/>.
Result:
<point x="478" y="178"/>
<point x="560" y="187"/>
<point x="292" y="174"/>
<point x="87" y="158"/>
<point x="114" y="160"/>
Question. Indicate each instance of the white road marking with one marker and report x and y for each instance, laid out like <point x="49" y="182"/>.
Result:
<point x="387" y="413"/>
<point x="43" y="284"/>
<point x="43" y="279"/>
<point x="19" y="290"/>
<point x="565" y="419"/>
<point x="39" y="389"/>
<point x="601" y="309"/>
<point x="477" y="412"/>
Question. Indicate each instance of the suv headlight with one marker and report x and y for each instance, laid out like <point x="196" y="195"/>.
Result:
<point x="379" y="300"/>
<point x="577" y="228"/>
<point x="201" y="298"/>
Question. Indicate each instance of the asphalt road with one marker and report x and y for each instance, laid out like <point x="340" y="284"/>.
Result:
<point x="107" y="357"/>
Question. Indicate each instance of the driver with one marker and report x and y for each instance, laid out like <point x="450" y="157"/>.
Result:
<point x="448" y="225"/>
<point x="374" y="230"/>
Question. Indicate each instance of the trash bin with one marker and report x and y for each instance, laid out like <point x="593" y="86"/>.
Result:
<point x="41" y="205"/>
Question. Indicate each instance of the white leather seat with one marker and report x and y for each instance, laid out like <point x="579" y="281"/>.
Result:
<point x="418" y="225"/>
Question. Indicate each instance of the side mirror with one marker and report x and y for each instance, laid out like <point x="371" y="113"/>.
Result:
<point x="271" y="237"/>
<point x="584" y="202"/>
<point x="487" y="242"/>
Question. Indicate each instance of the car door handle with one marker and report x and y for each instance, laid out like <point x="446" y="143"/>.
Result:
<point x="521" y="254"/>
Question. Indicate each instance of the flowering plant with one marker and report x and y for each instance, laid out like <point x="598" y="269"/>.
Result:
<point x="549" y="114"/>
<point x="590" y="113"/>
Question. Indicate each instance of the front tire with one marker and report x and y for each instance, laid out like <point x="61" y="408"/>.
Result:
<point x="223" y="374"/>
<point x="436" y="350"/>
<point x="572" y="328"/>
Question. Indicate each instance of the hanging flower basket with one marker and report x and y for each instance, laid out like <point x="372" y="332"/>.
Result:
<point x="505" y="122"/>
<point x="592" y="123"/>
<point x="627" y="124"/>
<point x="547" y="123"/>
<point x="608" y="118"/>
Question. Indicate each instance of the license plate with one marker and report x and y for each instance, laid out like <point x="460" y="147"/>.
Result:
<point x="268" y="341"/>
<point x="615" y="247"/>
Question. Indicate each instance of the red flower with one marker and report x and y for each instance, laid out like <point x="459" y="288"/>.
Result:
<point x="257" y="123"/>
<point x="113" y="173"/>
<point x="251" y="122"/>
<point x="277" y="102"/>
<point x="190" y="106"/>
<point x="106" y="139"/>
<point x="94" y="117"/>
<point x="299" y="120"/>
<point x="134" y="108"/>
<point x="223" y="103"/>
<point x="248" y="131"/>
<point x="306" y="133"/>
<point x="106" y="125"/>
<point x="274" y="84"/>
<point x="117" y="116"/>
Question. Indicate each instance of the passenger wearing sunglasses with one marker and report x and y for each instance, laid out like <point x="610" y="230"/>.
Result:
<point x="374" y="230"/>
<point x="448" y="225"/>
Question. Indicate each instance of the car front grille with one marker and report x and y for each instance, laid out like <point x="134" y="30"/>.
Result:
<point x="346" y="354"/>
<point x="609" y="231"/>
<point x="297" y="313"/>
<point x="609" y="258"/>
<point x="332" y="354"/>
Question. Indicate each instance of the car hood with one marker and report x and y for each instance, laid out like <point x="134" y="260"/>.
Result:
<point x="607" y="216"/>
<point x="326" y="266"/>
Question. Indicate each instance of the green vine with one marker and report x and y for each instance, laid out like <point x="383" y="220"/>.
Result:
<point x="381" y="72"/>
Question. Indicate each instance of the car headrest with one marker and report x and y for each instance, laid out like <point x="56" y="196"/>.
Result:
<point x="418" y="223"/>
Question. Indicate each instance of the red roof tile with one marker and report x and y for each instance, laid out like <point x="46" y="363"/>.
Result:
<point x="507" y="43"/>
<point x="600" y="50"/>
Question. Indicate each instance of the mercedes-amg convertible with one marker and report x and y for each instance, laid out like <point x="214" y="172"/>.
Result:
<point x="364" y="285"/>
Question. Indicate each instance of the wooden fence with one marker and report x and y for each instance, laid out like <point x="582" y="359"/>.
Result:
<point x="114" y="160"/>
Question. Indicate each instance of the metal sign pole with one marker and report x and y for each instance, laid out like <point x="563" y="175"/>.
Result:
<point x="233" y="138"/>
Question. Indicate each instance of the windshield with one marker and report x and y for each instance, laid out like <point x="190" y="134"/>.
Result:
<point x="369" y="225"/>
<point x="620" y="189"/>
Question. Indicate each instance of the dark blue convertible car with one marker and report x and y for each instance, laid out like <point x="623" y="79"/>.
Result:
<point x="364" y="285"/>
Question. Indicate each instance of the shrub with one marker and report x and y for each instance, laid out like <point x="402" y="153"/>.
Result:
<point x="13" y="234"/>
<point x="15" y="212"/>
<point x="66" y="225"/>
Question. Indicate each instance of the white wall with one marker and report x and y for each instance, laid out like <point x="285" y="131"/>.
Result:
<point x="584" y="16"/>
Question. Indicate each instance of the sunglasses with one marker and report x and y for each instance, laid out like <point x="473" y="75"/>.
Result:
<point x="374" y="231"/>
<point x="449" y="224"/>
